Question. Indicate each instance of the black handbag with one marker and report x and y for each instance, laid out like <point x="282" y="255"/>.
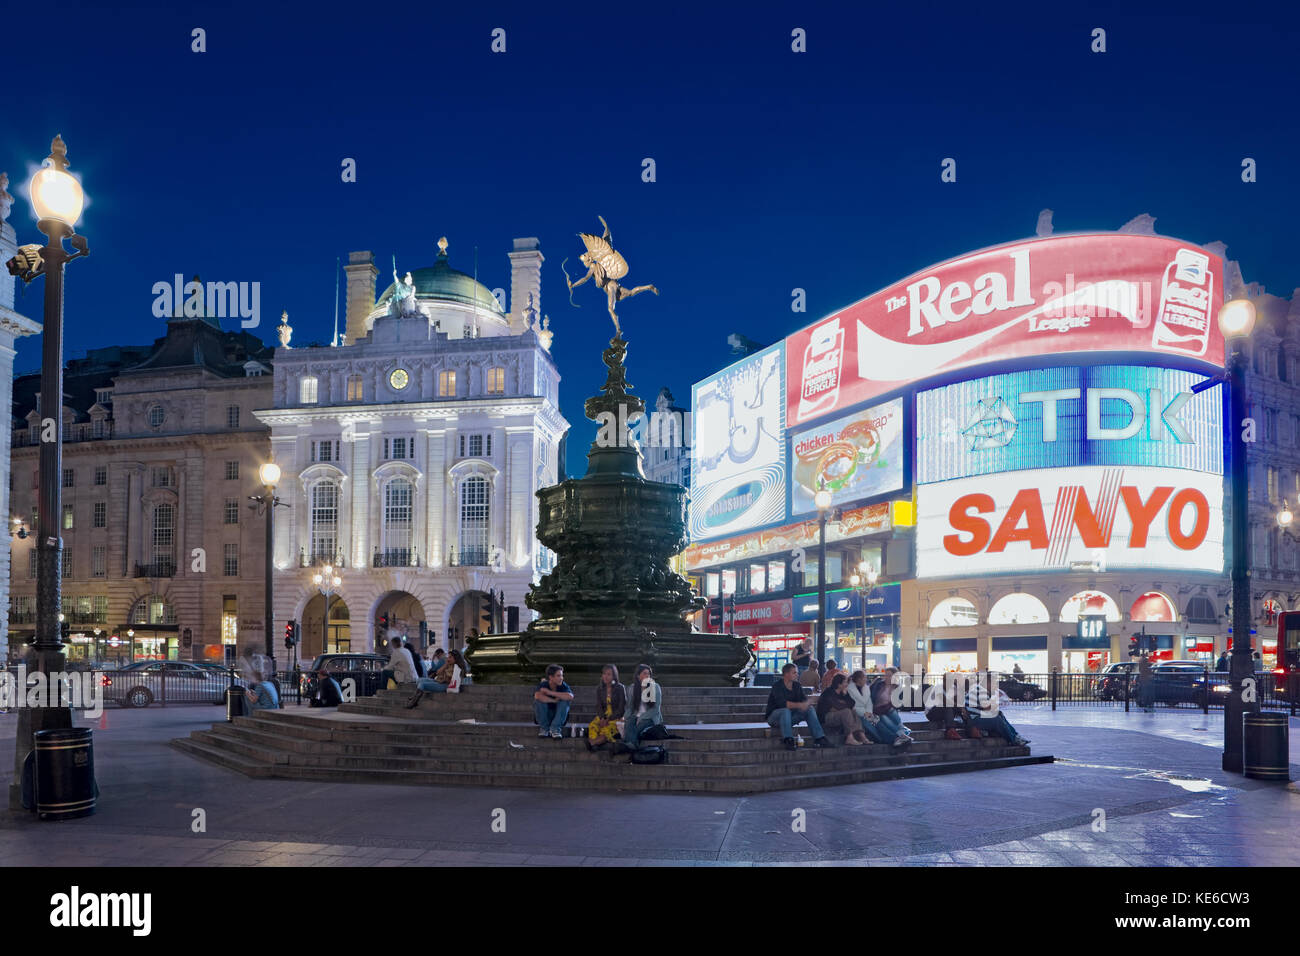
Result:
<point x="647" y="755"/>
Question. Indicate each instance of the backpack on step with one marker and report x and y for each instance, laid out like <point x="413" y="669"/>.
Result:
<point x="647" y="755"/>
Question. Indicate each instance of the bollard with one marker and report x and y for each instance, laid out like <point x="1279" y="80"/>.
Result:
<point x="236" y="703"/>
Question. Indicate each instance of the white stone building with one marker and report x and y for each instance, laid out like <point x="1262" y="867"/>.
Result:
<point x="411" y="455"/>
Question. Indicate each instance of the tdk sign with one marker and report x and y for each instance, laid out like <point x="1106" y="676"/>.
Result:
<point x="1067" y="417"/>
<point x="1162" y="417"/>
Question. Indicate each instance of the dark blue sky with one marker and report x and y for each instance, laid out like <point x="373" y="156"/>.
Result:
<point x="775" y="170"/>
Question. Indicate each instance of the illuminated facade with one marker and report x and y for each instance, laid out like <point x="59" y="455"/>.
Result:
<point x="411" y="454"/>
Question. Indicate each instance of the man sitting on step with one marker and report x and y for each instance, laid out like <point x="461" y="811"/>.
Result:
<point x="261" y="693"/>
<point x="401" y="667"/>
<point x="983" y="708"/>
<point x="787" y="705"/>
<point x="551" y="703"/>
<point x="328" y="691"/>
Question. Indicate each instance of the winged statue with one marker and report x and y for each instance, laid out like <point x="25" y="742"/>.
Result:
<point x="605" y="266"/>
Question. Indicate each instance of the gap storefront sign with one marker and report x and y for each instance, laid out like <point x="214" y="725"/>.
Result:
<point x="884" y="599"/>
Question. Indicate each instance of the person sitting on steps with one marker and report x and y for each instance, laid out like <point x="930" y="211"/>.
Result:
<point x="882" y="697"/>
<point x="611" y="701"/>
<point x="987" y="717"/>
<point x="835" y="710"/>
<point x="328" y="692"/>
<point x="441" y="681"/>
<point x="788" y="704"/>
<point x="944" y="707"/>
<point x="832" y="669"/>
<point x="261" y="693"/>
<point x="643" y="705"/>
<point x="401" y="668"/>
<point x="864" y="708"/>
<point x="551" y="703"/>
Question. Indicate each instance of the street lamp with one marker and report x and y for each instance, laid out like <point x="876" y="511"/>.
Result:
<point x="19" y="530"/>
<point x="1236" y="319"/>
<point x="822" y="499"/>
<point x="266" y="503"/>
<point x="327" y="583"/>
<point x="866" y="572"/>
<point x="1285" y="517"/>
<point x="57" y="198"/>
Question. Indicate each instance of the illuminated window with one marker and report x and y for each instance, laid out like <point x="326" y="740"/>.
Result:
<point x="474" y="521"/>
<point x="164" y="536"/>
<point x="398" y="495"/>
<point x="307" y="390"/>
<point x="728" y="581"/>
<point x="1153" y="606"/>
<point x="496" y="381"/>
<point x="447" y="384"/>
<point x="776" y="575"/>
<point x="67" y="517"/>
<point x="757" y="578"/>
<point x="354" y="388"/>
<point x="324" y="520"/>
<point x="954" y="612"/>
<point x="1018" y="608"/>
<point x="229" y="619"/>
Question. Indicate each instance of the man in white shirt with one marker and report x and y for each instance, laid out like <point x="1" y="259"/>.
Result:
<point x="985" y="713"/>
<point x="401" y="666"/>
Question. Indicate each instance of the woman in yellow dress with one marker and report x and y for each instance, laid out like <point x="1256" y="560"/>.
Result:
<point x="611" y="699"/>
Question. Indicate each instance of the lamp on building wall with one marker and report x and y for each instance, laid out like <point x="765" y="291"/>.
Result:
<point x="19" y="529"/>
<point x="57" y="198"/>
<point x="266" y="503"/>
<point x="1285" y="518"/>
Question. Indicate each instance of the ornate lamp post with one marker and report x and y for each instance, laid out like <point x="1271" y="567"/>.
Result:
<point x="822" y="499"/>
<point x="1285" y="517"/>
<point x="868" y="576"/>
<point x="267" y="502"/>
<point x="327" y="583"/>
<point x="57" y="198"/>
<point x="1236" y="319"/>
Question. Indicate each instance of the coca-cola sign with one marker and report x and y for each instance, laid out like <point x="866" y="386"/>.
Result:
<point x="1084" y="293"/>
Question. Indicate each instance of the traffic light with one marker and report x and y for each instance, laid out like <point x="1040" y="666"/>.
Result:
<point x="288" y="633"/>
<point x="487" y="612"/>
<point x="383" y="622"/>
<point x="1134" y="648"/>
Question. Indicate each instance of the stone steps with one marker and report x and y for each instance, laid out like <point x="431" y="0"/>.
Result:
<point x="378" y="740"/>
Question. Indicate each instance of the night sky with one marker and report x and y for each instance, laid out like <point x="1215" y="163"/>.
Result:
<point x="775" y="170"/>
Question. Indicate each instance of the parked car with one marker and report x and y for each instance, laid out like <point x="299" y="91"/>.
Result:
<point x="1111" y="685"/>
<point x="1184" y="682"/>
<point x="362" y="668"/>
<point x="141" y="683"/>
<point x="1017" y="689"/>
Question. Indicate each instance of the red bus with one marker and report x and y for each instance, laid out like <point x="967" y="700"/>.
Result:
<point x="1287" y="671"/>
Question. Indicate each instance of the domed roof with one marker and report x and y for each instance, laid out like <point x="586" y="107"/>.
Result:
<point x="441" y="282"/>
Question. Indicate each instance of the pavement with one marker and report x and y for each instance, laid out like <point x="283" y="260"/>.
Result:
<point x="1127" y="790"/>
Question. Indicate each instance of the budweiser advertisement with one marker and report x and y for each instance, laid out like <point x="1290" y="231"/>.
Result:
<point x="1082" y="518"/>
<point x="1104" y="292"/>
<point x="789" y="538"/>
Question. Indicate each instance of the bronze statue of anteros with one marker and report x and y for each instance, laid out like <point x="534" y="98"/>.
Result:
<point x="605" y="266"/>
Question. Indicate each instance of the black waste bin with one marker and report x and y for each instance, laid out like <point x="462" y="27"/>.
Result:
<point x="236" y="703"/>
<point x="1265" y="746"/>
<point x="65" y="773"/>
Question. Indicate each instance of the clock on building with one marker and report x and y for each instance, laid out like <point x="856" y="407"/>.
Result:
<point x="398" y="378"/>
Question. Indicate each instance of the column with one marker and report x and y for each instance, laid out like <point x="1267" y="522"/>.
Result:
<point x="358" y="532"/>
<point x="435" y="490"/>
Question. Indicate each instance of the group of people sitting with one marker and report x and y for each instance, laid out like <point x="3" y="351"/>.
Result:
<point x="864" y="711"/>
<point x="623" y="714"/>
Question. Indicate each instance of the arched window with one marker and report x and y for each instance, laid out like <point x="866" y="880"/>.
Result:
<point x="1018" y="608"/>
<point x="474" y="520"/>
<point x="307" y="390"/>
<point x="164" y="540"/>
<point x="152" y="609"/>
<point x="1089" y="603"/>
<point x="954" y="612"/>
<point x="324" y="521"/>
<point x="398" y="495"/>
<point x="1200" y="610"/>
<point x="1153" y="606"/>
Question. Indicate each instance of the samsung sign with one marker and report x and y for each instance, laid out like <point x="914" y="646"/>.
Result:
<point x="1059" y="417"/>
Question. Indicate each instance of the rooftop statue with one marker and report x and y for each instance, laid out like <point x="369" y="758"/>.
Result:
<point x="6" y="200"/>
<point x="403" y="301"/>
<point x="605" y="266"/>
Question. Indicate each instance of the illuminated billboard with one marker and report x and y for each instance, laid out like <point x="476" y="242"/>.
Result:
<point x="858" y="456"/>
<point x="738" y="447"/>
<point x="1059" y="417"/>
<point x="1083" y="293"/>
<point x="1094" y="517"/>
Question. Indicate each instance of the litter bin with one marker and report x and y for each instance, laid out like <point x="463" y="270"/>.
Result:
<point x="1265" y="746"/>
<point x="236" y="703"/>
<point x="65" y="773"/>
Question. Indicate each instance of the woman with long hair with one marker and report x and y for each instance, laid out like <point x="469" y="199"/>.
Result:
<point x="611" y="700"/>
<point x="835" y="710"/>
<point x="439" y="682"/>
<point x="644" y="700"/>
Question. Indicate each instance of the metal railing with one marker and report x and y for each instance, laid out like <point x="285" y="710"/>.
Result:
<point x="395" y="558"/>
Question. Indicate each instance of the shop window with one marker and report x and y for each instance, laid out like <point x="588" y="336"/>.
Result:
<point x="757" y="578"/>
<point x="1090" y="603"/>
<point x="710" y="582"/>
<point x="776" y="576"/>
<point x="728" y="581"/>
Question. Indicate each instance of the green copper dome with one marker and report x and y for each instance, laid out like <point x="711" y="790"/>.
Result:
<point x="441" y="282"/>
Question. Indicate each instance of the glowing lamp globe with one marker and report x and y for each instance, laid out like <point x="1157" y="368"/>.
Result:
<point x="269" y="474"/>
<point x="822" y="499"/>
<point x="855" y="580"/>
<point x="56" y="194"/>
<point x="1285" y="517"/>
<point x="1237" y="318"/>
